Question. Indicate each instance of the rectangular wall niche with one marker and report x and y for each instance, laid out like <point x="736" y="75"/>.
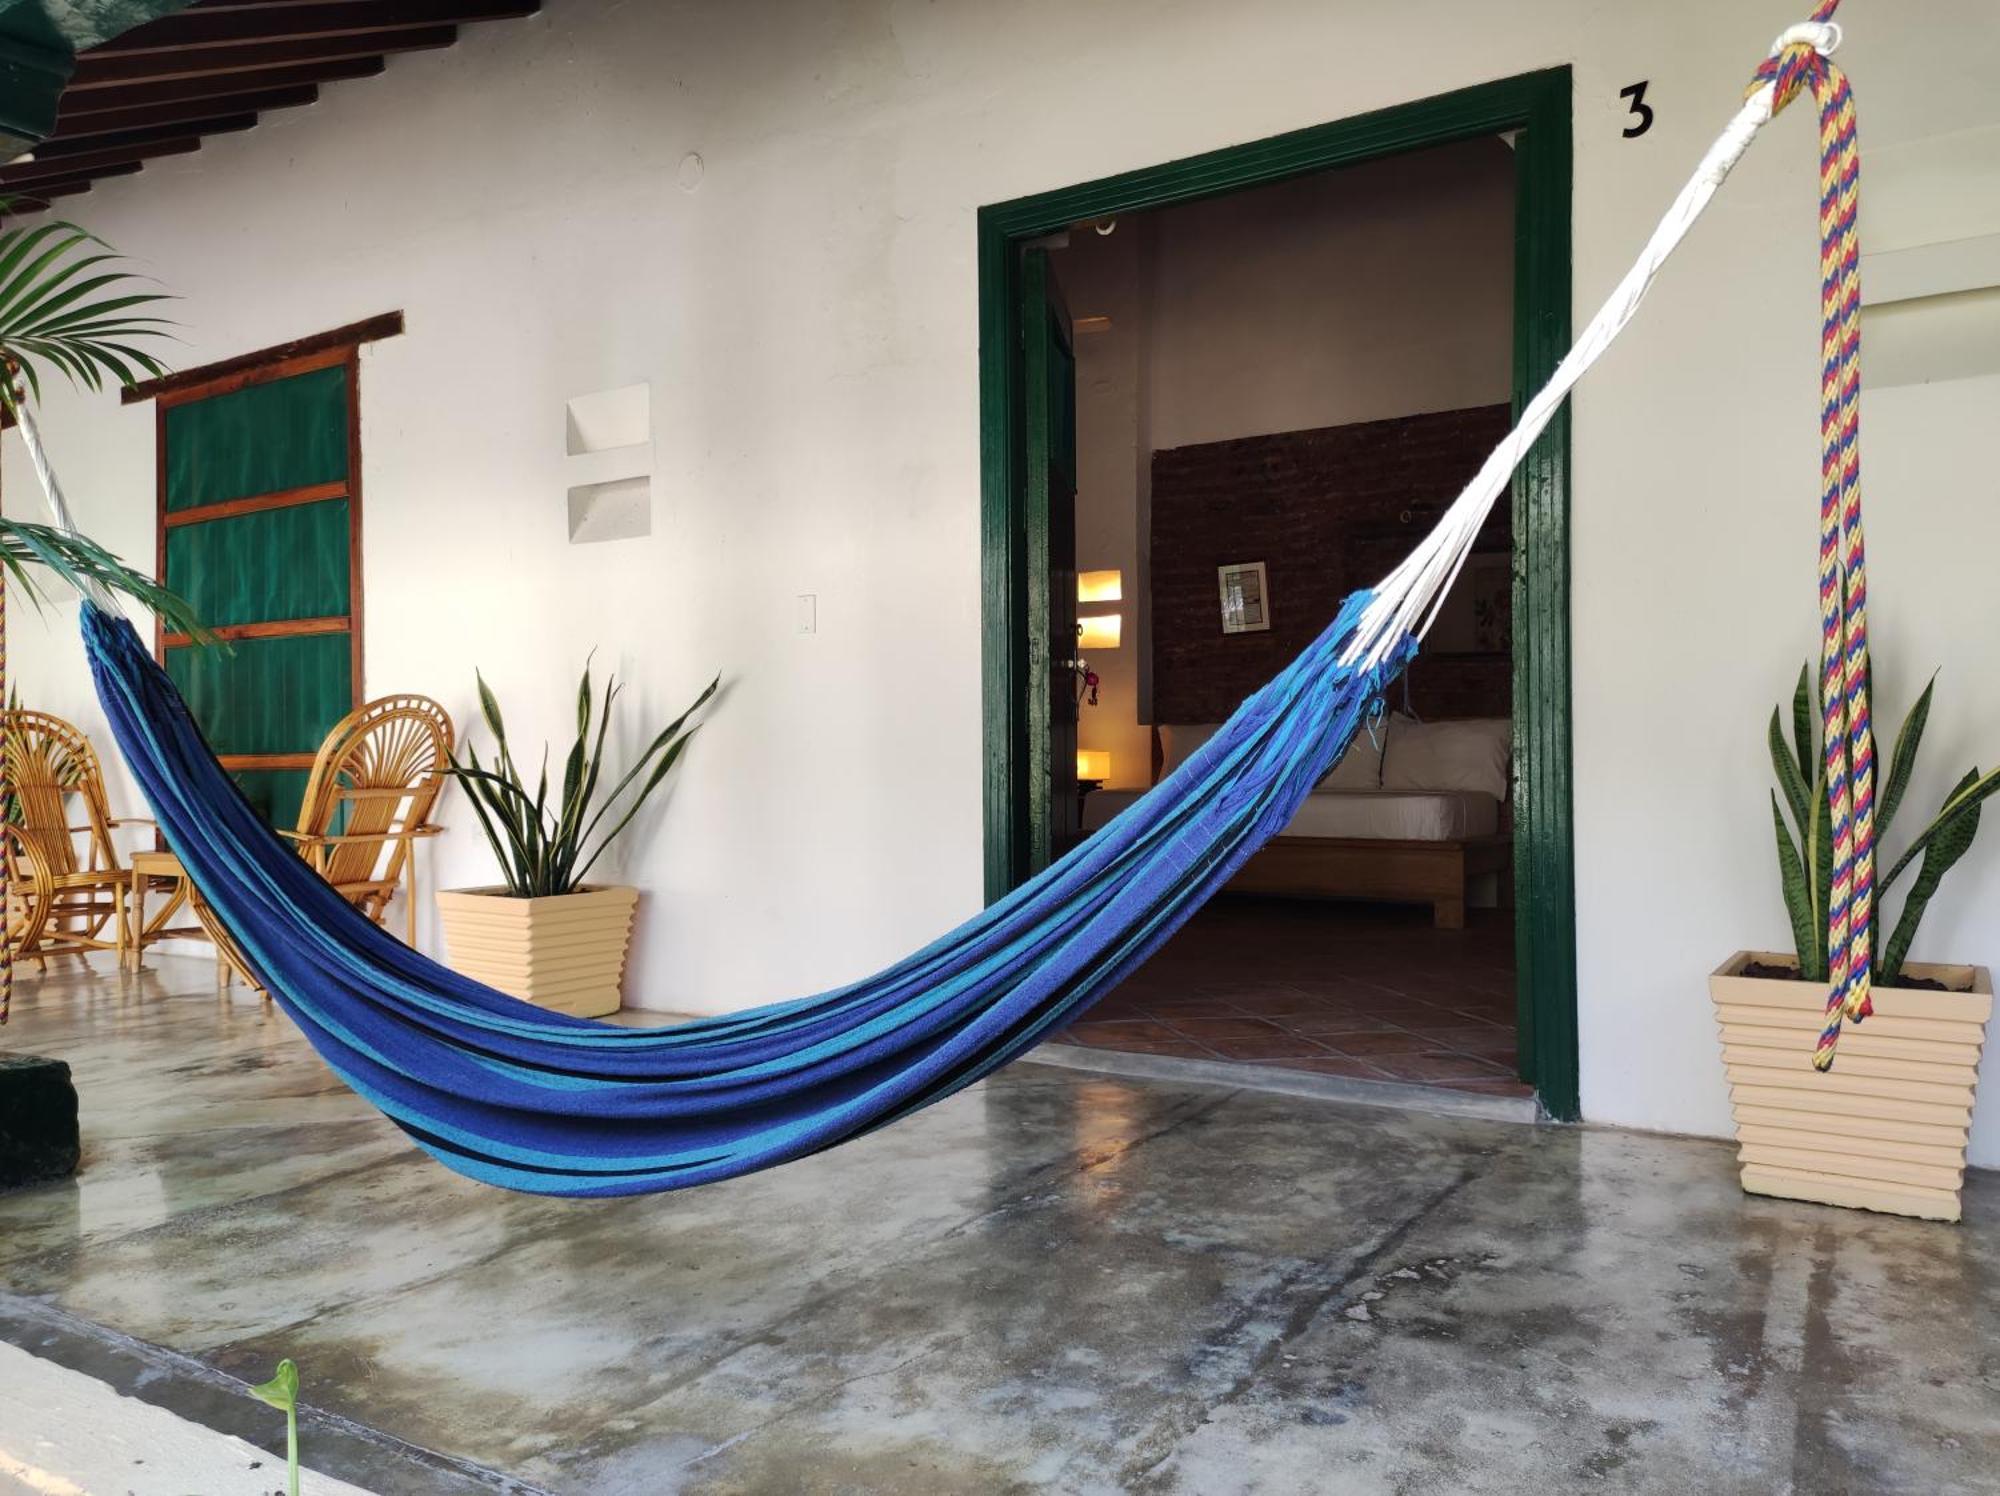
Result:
<point x="609" y="441"/>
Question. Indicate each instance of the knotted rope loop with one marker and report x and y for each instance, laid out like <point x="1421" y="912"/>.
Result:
<point x="1798" y="57"/>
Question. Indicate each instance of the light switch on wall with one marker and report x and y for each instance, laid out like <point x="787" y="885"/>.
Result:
<point x="809" y="612"/>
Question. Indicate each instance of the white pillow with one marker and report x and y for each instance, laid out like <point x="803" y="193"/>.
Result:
<point x="1360" y="767"/>
<point x="1179" y="742"/>
<point x="1444" y="756"/>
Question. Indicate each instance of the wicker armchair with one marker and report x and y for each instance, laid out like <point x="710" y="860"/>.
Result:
<point x="373" y="787"/>
<point x="68" y="889"/>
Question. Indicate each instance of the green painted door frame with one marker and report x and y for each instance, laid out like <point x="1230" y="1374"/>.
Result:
<point x="1538" y="105"/>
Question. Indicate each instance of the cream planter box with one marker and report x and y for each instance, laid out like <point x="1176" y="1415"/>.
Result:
<point x="1886" y="1128"/>
<point x="566" y="952"/>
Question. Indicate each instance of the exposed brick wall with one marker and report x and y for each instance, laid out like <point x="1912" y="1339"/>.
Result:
<point x="1327" y="511"/>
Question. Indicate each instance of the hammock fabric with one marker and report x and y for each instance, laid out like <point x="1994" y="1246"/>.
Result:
<point x="542" y="1102"/>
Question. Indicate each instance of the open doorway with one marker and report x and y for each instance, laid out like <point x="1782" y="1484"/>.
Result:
<point x="1244" y="386"/>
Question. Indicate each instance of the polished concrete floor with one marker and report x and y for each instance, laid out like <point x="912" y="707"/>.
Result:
<point x="1052" y="1282"/>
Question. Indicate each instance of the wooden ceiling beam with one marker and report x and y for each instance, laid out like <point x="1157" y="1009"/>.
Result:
<point x="93" y="163"/>
<point x="233" y="25"/>
<point x="62" y="186"/>
<point x="95" y="69"/>
<point x="191" y="112"/>
<point x="25" y="203"/>
<point x="57" y="149"/>
<point x="104" y="98"/>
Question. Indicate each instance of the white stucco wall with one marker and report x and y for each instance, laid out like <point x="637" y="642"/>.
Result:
<point x="807" y="321"/>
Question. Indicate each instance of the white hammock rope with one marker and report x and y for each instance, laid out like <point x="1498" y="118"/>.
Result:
<point x="1407" y="600"/>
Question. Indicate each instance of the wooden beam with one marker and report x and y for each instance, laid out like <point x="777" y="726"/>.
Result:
<point x="92" y="163"/>
<point x="56" y="187"/>
<point x="26" y="204"/>
<point x="276" y="628"/>
<point x="62" y="147"/>
<point x="266" y="760"/>
<point x="85" y="98"/>
<point x="283" y="498"/>
<point x="387" y="325"/>
<point x="195" y="113"/>
<point x="231" y="25"/>
<point x="93" y="70"/>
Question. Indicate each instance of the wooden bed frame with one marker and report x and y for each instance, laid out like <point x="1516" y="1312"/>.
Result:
<point x="1396" y="872"/>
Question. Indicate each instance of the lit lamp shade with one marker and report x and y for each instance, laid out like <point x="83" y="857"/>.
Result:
<point x="1093" y="764"/>
<point x="1100" y="586"/>
<point x="1100" y="631"/>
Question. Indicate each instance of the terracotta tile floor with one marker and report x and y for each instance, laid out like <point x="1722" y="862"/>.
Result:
<point x="1361" y="990"/>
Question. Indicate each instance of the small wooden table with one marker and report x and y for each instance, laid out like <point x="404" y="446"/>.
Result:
<point x="150" y="867"/>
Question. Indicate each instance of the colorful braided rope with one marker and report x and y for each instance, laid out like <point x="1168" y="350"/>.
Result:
<point x="1843" y="586"/>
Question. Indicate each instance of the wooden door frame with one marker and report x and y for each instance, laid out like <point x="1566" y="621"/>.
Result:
<point x="339" y="347"/>
<point x="1538" y="105"/>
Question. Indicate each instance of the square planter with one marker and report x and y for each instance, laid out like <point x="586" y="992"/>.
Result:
<point x="566" y="952"/>
<point x="1886" y="1128"/>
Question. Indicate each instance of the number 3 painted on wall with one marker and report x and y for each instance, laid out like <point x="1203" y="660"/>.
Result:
<point x="1642" y="112"/>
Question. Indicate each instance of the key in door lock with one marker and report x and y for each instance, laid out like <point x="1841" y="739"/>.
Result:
<point x="1087" y="680"/>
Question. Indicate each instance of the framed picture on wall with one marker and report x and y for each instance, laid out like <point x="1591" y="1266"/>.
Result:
<point x="1489" y="577"/>
<point x="1246" y="597"/>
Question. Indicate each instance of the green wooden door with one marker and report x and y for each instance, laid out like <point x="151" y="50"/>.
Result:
<point x="1048" y="472"/>
<point x="258" y="507"/>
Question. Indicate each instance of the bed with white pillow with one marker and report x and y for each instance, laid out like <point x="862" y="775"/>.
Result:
<point x="1413" y="813"/>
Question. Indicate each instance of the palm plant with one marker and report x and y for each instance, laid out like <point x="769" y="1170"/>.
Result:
<point x="67" y="307"/>
<point x="541" y="843"/>
<point x="1806" y="865"/>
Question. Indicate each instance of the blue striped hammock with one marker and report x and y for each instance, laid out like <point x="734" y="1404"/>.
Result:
<point x="542" y="1102"/>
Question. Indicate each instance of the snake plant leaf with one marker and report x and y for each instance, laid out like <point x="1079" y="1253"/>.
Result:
<point x="667" y="761"/>
<point x="1971" y="792"/>
<point x="1903" y="759"/>
<point x="1798" y="895"/>
<point x="1952" y="840"/>
<point x="1790" y="780"/>
<point x="1819" y="871"/>
<point x="282" y="1391"/>
<point x="666" y="736"/>
<point x="537" y="843"/>
<point x="489" y="708"/>
<point x="1802" y="722"/>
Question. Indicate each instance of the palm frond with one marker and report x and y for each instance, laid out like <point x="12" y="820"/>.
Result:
<point x="80" y="561"/>
<point x="66" y="305"/>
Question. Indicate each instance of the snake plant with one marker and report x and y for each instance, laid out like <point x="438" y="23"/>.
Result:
<point x="540" y="844"/>
<point x="1805" y="863"/>
<point x="66" y="307"/>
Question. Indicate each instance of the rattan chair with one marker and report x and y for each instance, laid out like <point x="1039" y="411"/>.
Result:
<point x="373" y="787"/>
<point x="68" y="890"/>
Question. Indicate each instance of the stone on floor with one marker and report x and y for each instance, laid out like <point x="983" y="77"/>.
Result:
<point x="39" y="1139"/>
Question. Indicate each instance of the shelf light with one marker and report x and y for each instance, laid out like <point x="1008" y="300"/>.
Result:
<point x="1099" y="631"/>
<point x="1100" y="586"/>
